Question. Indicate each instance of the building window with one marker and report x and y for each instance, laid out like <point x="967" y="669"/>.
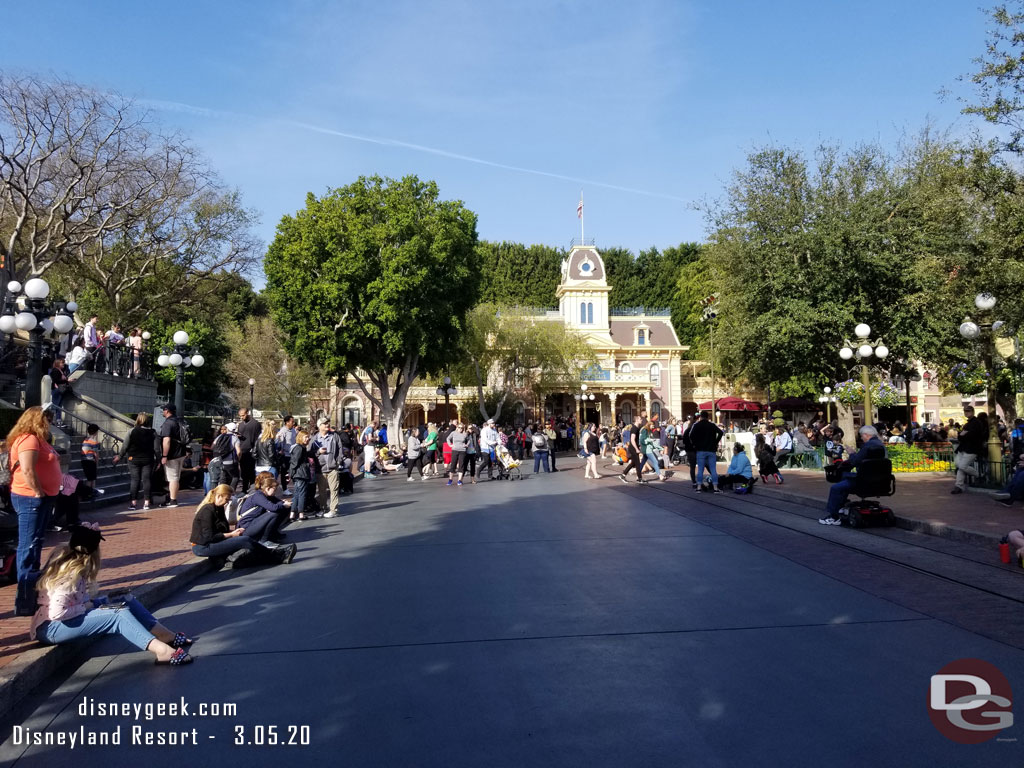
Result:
<point x="625" y="368"/>
<point x="655" y="370"/>
<point x="590" y="312"/>
<point x="520" y="414"/>
<point x="655" y="410"/>
<point x="627" y="412"/>
<point x="583" y="312"/>
<point x="640" y="337"/>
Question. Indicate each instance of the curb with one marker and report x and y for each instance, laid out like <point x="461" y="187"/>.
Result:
<point x="906" y="523"/>
<point x="19" y="678"/>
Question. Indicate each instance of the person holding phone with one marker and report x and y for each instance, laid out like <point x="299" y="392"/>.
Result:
<point x="66" y="612"/>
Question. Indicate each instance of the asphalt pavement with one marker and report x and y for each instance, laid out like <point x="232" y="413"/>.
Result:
<point x="550" y="622"/>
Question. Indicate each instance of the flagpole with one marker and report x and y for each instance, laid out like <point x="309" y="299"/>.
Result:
<point x="582" y="240"/>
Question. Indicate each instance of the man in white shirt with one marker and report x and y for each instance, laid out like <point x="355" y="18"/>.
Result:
<point x="488" y="440"/>
<point x="783" y="444"/>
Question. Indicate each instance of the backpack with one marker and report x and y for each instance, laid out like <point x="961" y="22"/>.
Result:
<point x="221" y="447"/>
<point x="184" y="434"/>
<point x="538" y="441"/>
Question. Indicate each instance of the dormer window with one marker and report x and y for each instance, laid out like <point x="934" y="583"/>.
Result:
<point x="640" y="337"/>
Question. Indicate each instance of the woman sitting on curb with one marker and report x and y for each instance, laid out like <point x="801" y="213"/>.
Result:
<point x="261" y="513"/>
<point x="213" y="537"/>
<point x="66" y="612"/>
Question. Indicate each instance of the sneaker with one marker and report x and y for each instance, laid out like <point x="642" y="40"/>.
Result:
<point x="170" y="503"/>
<point x="369" y="476"/>
<point x="412" y="479"/>
<point x="331" y="514"/>
<point x="288" y="554"/>
<point x="145" y="506"/>
<point x="624" y="479"/>
<point x="956" y="491"/>
<point x="1006" y="502"/>
<point x="424" y="478"/>
<point x="450" y="482"/>
<point x="695" y="486"/>
<point x="458" y="483"/>
<point x="718" y="490"/>
<point x="829" y="521"/>
<point x="1001" y="496"/>
<point x="288" y="493"/>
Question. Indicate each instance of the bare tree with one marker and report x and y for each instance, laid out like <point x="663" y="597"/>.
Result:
<point x="85" y="182"/>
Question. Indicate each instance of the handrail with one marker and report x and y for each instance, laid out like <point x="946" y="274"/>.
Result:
<point x="106" y="410"/>
<point x="86" y="422"/>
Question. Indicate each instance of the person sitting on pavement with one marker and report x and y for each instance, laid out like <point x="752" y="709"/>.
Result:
<point x="1014" y="490"/>
<point x="213" y="537"/>
<point x="67" y="613"/>
<point x="872" y="448"/>
<point x="261" y="513"/>
<point x="739" y="470"/>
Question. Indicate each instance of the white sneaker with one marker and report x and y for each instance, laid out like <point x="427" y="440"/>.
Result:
<point x="830" y="521"/>
<point x="411" y="479"/>
<point x="288" y="492"/>
<point x="331" y="514"/>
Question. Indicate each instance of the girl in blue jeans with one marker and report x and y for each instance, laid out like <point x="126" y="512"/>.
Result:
<point x="67" y="613"/>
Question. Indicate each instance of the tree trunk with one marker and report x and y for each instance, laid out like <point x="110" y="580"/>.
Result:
<point x="391" y="403"/>
<point x="1008" y="402"/>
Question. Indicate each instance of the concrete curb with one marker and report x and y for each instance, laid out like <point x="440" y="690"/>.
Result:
<point x="907" y="523"/>
<point x="19" y="678"/>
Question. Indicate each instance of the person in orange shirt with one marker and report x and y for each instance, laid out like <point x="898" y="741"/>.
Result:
<point x="35" y="483"/>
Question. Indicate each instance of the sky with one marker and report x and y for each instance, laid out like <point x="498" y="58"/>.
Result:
<point x="647" y="107"/>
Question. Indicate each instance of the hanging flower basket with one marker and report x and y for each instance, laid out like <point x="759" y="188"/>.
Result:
<point x="968" y="380"/>
<point x="884" y="394"/>
<point x="849" y="392"/>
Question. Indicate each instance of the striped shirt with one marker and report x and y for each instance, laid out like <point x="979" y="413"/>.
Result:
<point x="90" y="449"/>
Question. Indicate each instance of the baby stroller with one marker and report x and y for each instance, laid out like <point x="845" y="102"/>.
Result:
<point x="508" y="467"/>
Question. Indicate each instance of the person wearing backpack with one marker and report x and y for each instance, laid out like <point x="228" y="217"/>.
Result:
<point x="174" y="439"/>
<point x="540" y="450"/>
<point x="224" y="452"/>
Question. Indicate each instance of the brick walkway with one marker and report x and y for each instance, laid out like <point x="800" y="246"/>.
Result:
<point x="139" y="547"/>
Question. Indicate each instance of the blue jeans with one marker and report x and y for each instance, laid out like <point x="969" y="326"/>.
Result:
<point x="652" y="457"/>
<point x="838" y="494"/>
<point x="132" y="622"/>
<point x="299" y="487"/>
<point x="222" y="548"/>
<point x="538" y="457"/>
<point x="707" y="459"/>
<point x="1016" y="486"/>
<point x="33" y="516"/>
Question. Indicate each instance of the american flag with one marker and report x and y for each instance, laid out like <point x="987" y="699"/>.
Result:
<point x="579" y="209"/>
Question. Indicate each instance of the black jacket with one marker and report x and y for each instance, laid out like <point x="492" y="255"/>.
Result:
<point x="705" y="436"/>
<point x="298" y="466"/>
<point x="972" y="437"/>
<point x="139" y="446"/>
<point x="209" y="525"/>
<point x="248" y="435"/>
<point x="266" y="452"/>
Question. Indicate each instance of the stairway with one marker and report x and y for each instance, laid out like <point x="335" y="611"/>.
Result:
<point x="112" y="479"/>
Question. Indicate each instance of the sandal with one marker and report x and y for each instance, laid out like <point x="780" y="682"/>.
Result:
<point x="181" y="640"/>
<point x="179" y="658"/>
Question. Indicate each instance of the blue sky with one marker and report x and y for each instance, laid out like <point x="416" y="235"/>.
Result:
<point x="648" y="106"/>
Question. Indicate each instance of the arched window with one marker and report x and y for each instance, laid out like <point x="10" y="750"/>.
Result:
<point x="655" y="371"/>
<point x="590" y="312"/>
<point x="655" y="410"/>
<point x="583" y="312"/>
<point x="625" y="368"/>
<point x="640" y="337"/>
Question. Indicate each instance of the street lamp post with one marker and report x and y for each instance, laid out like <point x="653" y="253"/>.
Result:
<point x="986" y="302"/>
<point x="864" y="348"/>
<point x="252" y="393"/>
<point x="180" y="358"/>
<point x="827" y="399"/>
<point x="447" y="390"/>
<point x="710" y="313"/>
<point x="26" y="309"/>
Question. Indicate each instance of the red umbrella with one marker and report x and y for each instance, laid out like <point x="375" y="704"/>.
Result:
<point x="732" y="404"/>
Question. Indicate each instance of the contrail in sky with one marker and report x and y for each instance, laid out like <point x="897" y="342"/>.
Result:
<point x="174" y="106"/>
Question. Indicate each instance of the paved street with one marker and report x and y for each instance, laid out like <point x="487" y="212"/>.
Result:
<point x="559" y="622"/>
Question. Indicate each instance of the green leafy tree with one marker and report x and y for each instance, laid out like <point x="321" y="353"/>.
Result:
<point x="374" y="280"/>
<point x="517" y="275"/>
<point x="999" y="79"/>
<point x="506" y="349"/>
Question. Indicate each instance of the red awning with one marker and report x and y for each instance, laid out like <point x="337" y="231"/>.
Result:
<point x="731" y="404"/>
